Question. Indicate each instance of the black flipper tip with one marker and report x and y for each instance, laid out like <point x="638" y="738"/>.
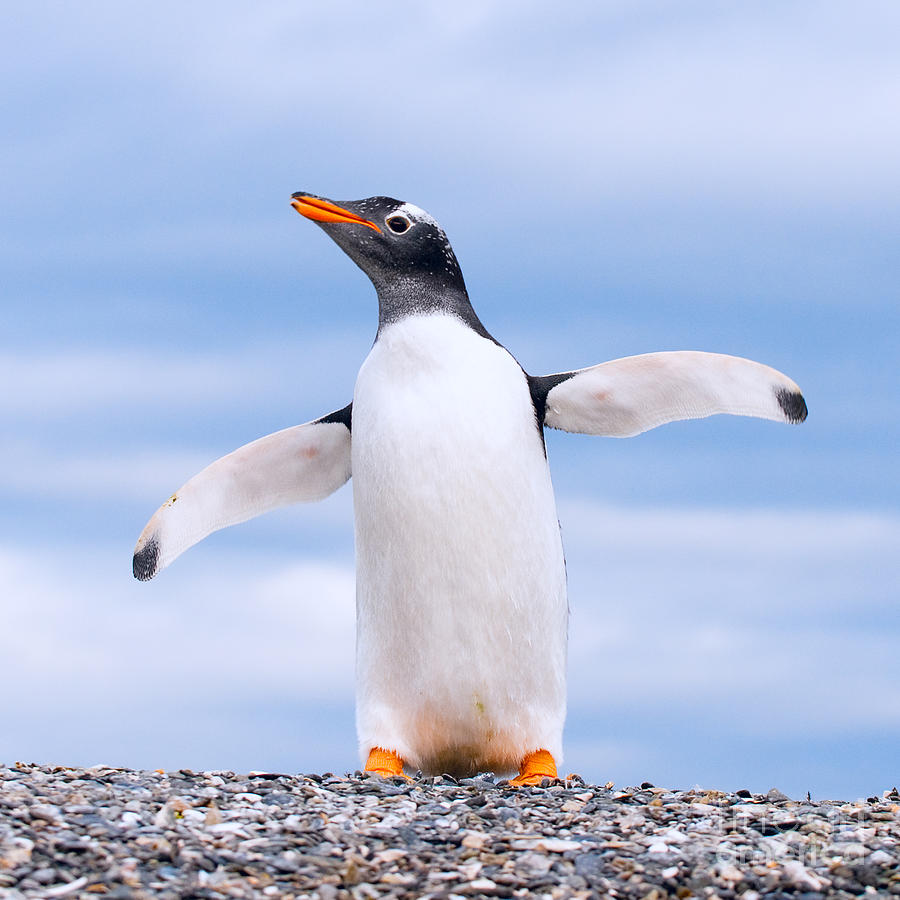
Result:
<point x="792" y="405"/>
<point x="144" y="564"/>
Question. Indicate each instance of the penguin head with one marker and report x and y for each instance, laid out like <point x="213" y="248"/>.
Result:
<point x="391" y="241"/>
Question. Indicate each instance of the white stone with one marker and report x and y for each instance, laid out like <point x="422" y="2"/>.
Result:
<point x="534" y="862"/>
<point x="389" y="856"/>
<point x="729" y="872"/>
<point x="851" y="850"/>
<point x="799" y="874"/>
<point x="557" y="845"/>
<point x="474" y="840"/>
<point x="673" y="836"/>
<point x="470" y="870"/>
<point x="482" y="884"/>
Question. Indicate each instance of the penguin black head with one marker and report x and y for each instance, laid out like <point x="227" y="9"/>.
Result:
<point x="400" y="247"/>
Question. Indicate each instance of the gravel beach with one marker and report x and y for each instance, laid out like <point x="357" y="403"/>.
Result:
<point x="121" y="833"/>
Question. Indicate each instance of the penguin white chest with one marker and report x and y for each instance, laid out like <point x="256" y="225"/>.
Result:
<point x="461" y="608"/>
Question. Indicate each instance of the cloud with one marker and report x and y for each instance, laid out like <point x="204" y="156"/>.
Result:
<point x="76" y="623"/>
<point x="104" y="426"/>
<point x="768" y="633"/>
<point x="759" y="102"/>
<point x="619" y="178"/>
<point x="207" y="237"/>
<point x="246" y="666"/>
<point x="670" y="607"/>
<point x="30" y="472"/>
<point x="760" y="619"/>
<point x="159" y="383"/>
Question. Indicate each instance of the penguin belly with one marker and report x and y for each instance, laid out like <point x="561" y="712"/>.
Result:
<point x="461" y="593"/>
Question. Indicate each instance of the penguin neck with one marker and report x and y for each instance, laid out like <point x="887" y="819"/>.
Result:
<point x="404" y="296"/>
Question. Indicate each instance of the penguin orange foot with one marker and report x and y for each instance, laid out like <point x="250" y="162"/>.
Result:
<point x="385" y="763"/>
<point x="534" y="768"/>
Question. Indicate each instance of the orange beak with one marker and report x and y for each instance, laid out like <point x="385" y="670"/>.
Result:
<point x="323" y="211"/>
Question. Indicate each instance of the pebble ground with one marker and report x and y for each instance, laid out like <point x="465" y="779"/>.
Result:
<point x="121" y="833"/>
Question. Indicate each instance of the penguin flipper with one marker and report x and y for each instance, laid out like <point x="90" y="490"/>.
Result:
<point x="297" y="465"/>
<point x="627" y="396"/>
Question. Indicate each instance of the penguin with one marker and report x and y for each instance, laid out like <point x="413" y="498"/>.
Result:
<point x="461" y="585"/>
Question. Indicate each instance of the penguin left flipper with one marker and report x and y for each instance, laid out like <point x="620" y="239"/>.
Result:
<point x="627" y="396"/>
<point x="296" y="465"/>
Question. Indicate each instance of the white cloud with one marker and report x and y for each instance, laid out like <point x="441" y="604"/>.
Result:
<point x="115" y="424"/>
<point x="635" y="98"/>
<point x="754" y="534"/>
<point x="74" y="383"/>
<point x="709" y="611"/>
<point x="762" y="619"/>
<point x="760" y="627"/>
<point x="246" y="666"/>
<point x="764" y="101"/>
<point x="210" y="239"/>
<point x="30" y="471"/>
<point x="76" y="624"/>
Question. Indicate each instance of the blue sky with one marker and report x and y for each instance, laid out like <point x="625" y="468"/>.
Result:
<point x="616" y="178"/>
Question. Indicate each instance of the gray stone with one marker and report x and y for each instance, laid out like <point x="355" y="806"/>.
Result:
<point x="355" y="837"/>
<point x="589" y="866"/>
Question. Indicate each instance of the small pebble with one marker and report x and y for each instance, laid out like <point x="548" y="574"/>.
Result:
<point x="124" y="834"/>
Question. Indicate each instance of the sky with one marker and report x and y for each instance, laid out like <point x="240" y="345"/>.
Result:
<point x="616" y="178"/>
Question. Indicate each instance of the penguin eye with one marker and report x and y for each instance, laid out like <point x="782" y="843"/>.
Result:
<point x="398" y="224"/>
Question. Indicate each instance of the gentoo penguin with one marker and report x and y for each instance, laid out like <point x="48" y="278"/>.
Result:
<point x="461" y="586"/>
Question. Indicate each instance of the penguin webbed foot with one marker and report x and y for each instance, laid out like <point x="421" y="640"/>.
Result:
<point x="534" y="768"/>
<point x="385" y="763"/>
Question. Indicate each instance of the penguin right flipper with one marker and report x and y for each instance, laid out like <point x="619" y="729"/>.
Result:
<point x="627" y="396"/>
<point x="297" y="465"/>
